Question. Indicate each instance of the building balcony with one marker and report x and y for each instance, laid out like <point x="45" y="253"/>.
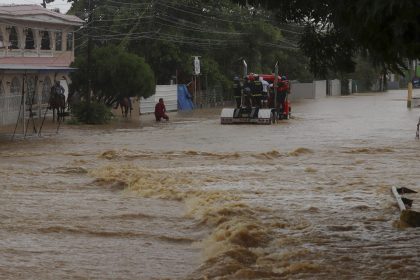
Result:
<point x="36" y="57"/>
<point x="32" y="53"/>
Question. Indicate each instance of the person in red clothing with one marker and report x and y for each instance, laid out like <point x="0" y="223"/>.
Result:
<point x="160" y="111"/>
<point x="282" y="90"/>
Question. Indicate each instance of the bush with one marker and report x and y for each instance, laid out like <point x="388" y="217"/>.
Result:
<point x="91" y="113"/>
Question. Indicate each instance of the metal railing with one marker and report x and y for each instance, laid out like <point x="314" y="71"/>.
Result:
<point x="10" y="106"/>
<point x="211" y="97"/>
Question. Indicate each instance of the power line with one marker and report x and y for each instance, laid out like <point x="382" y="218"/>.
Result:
<point x="189" y="27"/>
<point x="121" y="19"/>
<point x="168" y="21"/>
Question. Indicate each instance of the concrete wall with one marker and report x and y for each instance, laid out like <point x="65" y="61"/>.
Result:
<point x="393" y="85"/>
<point x="335" y="87"/>
<point x="316" y="89"/>
<point x="320" y="89"/>
<point x="169" y="93"/>
<point x="301" y="91"/>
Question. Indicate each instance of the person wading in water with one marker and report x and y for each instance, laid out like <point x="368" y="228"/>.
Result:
<point x="160" y="111"/>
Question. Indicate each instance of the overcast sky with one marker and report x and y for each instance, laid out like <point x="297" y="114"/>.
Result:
<point x="61" y="4"/>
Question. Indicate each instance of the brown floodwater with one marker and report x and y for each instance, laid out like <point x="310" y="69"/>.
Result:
<point x="308" y="198"/>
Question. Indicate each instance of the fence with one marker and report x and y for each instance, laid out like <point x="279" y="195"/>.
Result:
<point x="11" y="105"/>
<point x="211" y="97"/>
<point x="169" y="95"/>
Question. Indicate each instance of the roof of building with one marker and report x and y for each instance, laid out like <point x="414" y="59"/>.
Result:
<point x="36" y="13"/>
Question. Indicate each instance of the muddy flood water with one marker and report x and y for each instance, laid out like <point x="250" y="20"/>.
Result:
<point x="308" y="198"/>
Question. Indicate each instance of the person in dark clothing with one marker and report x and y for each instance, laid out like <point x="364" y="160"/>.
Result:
<point x="58" y="88"/>
<point x="237" y="91"/>
<point x="247" y="92"/>
<point x="160" y="111"/>
<point x="257" y="90"/>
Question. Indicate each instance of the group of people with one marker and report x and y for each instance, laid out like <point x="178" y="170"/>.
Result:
<point x="254" y="91"/>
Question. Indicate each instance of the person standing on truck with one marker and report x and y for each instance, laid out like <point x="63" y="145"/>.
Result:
<point x="257" y="90"/>
<point x="282" y="90"/>
<point x="247" y="92"/>
<point x="264" y="97"/>
<point x="237" y="91"/>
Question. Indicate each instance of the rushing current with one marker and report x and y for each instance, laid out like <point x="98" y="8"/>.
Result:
<point x="307" y="198"/>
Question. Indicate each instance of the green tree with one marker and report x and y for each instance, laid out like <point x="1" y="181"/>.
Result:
<point x="365" y="74"/>
<point x="115" y="74"/>
<point x="338" y="31"/>
<point x="168" y="33"/>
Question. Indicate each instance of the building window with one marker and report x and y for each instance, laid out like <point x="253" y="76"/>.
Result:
<point x="31" y="98"/>
<point x="45" y="40"/>
<point x="2" y="98"/>
<point x="15" y="95"/>
<point x="1" y="40"/>
<point x="70" y="41"/>
<point x="58" y="41"/>
<point x="46" y="89"/>
<point x="15" y="86"/>
<point x="13" y="38"/>
<point x="29" y="42"/>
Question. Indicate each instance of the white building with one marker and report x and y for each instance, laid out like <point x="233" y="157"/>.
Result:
<point x="36" y="49"/>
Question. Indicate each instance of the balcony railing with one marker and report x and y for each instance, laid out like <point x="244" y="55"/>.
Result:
<point x="30" y="53"/>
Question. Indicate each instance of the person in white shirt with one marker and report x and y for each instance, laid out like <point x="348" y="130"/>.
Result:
<point x="265" y="86"/>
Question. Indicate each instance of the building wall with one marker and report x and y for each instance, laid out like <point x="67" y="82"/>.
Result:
<point x="301" y="91"/>
<point x="320" y="89"/>
<point x="316" y="89"/>
<point x="36" y="90"/>
<point x="335" y="87"/>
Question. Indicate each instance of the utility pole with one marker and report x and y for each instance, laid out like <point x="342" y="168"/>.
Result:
<point x="196" y="72"/>
<point x="89" y="51"/>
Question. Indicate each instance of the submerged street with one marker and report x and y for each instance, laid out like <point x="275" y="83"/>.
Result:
<point x="307" y="198"/>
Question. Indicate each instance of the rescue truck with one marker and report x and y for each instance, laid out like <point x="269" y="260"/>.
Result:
<point x="254" y="107"/>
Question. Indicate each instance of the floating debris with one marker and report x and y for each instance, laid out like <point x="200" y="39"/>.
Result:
<point x="408" y="216"/>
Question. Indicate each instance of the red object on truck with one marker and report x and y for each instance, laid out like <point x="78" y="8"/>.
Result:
<point x="283" y="87"/>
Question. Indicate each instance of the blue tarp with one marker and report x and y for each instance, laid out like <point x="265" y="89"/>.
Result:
<point x="184" y="99"/>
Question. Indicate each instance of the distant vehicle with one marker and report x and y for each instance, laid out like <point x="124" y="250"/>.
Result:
<point x="416" y="82"/>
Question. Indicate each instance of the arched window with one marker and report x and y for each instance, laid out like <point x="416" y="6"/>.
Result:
<point x="13" y="38"/>
<point x="45" y="40"/>
<point x="2" y="45"/>
<point x="30" y="91"/>
<point x="69" y="41"/>
<point x="58" y="41"/>
<point x="15" y="94"/>
<point x="29" y="42"/>
<point x="46" y="89"/>
<point x="2" y="98"/>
